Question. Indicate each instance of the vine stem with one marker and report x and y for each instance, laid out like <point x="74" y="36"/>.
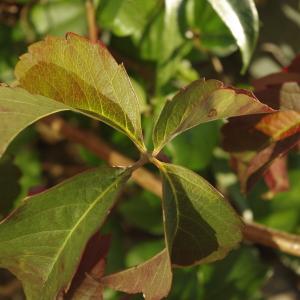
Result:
<point x="253" y="232"/>
<point x="91" y="20"/>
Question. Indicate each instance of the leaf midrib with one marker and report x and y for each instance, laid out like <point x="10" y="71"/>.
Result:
<point x="78" y="223"/>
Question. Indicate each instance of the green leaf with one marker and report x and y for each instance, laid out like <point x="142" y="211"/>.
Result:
<point x="58" y="17"/>
<point x="194" y="149"/>
<point x="43" y="240"/>
<point x="241" y="18"/>
<point x="10" y="186"/>
<point x="19" y="109"/>
<point x="207" y="25"/>
<point x="153" y="278"/>
<point x="202" y="101"/>
<point x="86" y="77"/>
<point x="245" y="276"/>
<point x="200" y="225"/>
<point x="125" y="17"/>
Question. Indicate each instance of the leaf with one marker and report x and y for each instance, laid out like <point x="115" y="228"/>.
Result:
<point x="85" y="284"/>
<point x="19" y="109"/>
<point x="43" y="240"/>
<point x="280" y="125"/>
<point x="241" y="18"/>
<point x="10" y="186"/>
<point x="202" y="101"/>
<point x="200" y="226"/>
<point x="84" y="76"/>
<point x="251" y="149"/>
<point x="125" y="17"/>
<point x="276" y="177"/>
<point x="208" y="26"/>
<point x="153" y="278"/>
<point x="58" y="17"/>
<point x="256" y="141"/>
<point x="245" y="275"/>
<point x="194" y="149"/>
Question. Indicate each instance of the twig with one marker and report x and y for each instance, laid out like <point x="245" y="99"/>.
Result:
<point x="253" y="232"/>
<point x="91" y="19"/>
<point x="280" y="240"/>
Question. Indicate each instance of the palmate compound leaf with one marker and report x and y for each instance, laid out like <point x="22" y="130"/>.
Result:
<point x="42" y="241"/>
<point x="85" y="76"/>
<point x="19" y="109"/>
<point x="153" y="278"/>
<point x="200" y="225"/>
<point x="241" y="17"/>
<point x="202" y="101"/>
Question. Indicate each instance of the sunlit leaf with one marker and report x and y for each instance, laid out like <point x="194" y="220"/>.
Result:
<point x="153" y="278"/>
<point x="84" y="76"/>
<point x="43" y="240"/>
<point x="19" y="109"/>
<point x="200" y="225"/>
<point x="202" y="101"/>
<point x="241" y="18"/>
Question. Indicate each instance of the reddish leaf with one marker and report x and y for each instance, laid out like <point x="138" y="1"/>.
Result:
<point x="256" y="141"/>
<point x="276" y="177"/>
<point x="153" y="278"/>
<point x="86" y="282"/>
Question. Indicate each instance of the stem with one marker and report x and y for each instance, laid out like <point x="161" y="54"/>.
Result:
<point x="282" y="241"/>
<point x="91" y="19"/>
<point x="253" y="232"/>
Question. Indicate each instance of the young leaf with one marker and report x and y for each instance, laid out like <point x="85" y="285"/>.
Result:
<point x="153" y="278"/>
<point x="202" y="101"/>
<point x="84" y="76"/>
<point x="241" y="18"/>
<point x="43" y="240"/>
<point x="19" y="109"/>
<point x="200" y="225"/>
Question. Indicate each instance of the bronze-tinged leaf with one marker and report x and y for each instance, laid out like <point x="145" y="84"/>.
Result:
<point x="280" y="125"/>
<point x="256" y="141"/>
<point x="153" y="278"/>
<point x="42" y="241"/>
<point x="200" y="225"/>
<point x="85" y="76"/>
<point x="276" y="177"/>
<point x="202" y="101"/>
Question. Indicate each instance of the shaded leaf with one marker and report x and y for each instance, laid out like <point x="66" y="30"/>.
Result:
<point x="241" y="18"/>
<point x="85" y="284"/>
<point x="200" y="225"/>
<point x="43" y="240"/>
<point x="10" y="186"/>
<point x="84" y="76"/>
<point x="19" y="109"/>
<point x="202" y="101"/>
<point x="255" y="141"/>
<point x="276" y="177"/>
<point x="153" y="278"/>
